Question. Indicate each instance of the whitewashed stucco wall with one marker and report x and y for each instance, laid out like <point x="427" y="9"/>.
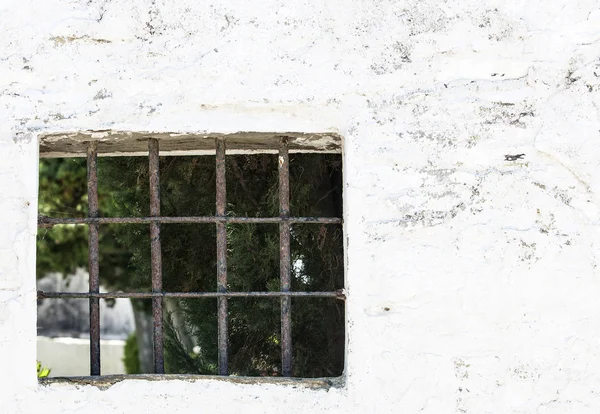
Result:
<point x="473" y="282"/>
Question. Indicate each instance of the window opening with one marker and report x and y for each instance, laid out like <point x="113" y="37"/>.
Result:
<point x="222" y="294"/>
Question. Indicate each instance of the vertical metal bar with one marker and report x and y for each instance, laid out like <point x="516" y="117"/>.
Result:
<point x="222" y="257"/>
<point x="93" y="257"/>
<point x="284" y="259"/>
<point x="156" y="256"/>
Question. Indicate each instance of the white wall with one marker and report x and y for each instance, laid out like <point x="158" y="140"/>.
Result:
<point x="70" y="357"/>
<point x="473" y="283"/>
<point x="70" y="317"/>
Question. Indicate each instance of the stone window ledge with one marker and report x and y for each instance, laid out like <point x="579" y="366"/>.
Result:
<point x="106" y="381"/>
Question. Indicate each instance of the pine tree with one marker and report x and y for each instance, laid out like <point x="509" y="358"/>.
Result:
<point x="189" y="256"/>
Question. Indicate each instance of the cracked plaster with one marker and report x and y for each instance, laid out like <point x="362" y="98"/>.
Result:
<point x="472" y="281"/>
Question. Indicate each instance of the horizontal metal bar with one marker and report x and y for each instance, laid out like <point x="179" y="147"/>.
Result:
<point x="44" y="221"/>
<point x="338" y="294"/>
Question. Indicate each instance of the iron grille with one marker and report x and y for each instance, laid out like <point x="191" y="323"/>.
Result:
<point x="220" y="219"/>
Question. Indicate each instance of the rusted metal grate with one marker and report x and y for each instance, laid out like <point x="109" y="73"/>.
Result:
<point x="220" y="219"/>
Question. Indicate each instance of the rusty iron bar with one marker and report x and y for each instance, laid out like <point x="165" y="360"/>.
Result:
<point x="222" y="257"/>
<point x="93" y="257"/>
<point x="338" y="294"/>
<point x="284" y="258"/>
<point x="44" y="221"/>
<point x="156" y="256"/>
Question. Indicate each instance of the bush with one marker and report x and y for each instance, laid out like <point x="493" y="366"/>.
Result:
<point x="131" y="357"/>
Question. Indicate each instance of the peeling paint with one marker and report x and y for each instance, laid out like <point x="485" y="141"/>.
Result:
<point x="62" y="40"/>
<point x="472" y="278"/>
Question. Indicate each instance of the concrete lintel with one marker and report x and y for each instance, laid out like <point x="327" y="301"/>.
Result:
<point x="128" y="143"/>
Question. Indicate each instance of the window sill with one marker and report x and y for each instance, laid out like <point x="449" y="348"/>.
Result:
<point x="104" y="382"/>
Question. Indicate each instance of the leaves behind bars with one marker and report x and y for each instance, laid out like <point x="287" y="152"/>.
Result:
<point x="189" y="258"/>
<point x="63" y="248"/>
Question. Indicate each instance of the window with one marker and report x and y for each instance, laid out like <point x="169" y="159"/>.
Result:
<point x="239" y="241"/>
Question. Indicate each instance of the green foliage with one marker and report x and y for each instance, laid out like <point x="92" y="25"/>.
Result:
<point x="62" y="194"/>
<point x="131" y="358"/>
<point x="63" y="248"/>
<point x="42" y="372"/>
<point x="179" y="360"/>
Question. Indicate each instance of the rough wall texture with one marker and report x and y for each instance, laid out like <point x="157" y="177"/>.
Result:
<point x="473" y="282"/>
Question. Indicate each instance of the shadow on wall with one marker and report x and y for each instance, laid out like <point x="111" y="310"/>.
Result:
<point x="70" y="317"/>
